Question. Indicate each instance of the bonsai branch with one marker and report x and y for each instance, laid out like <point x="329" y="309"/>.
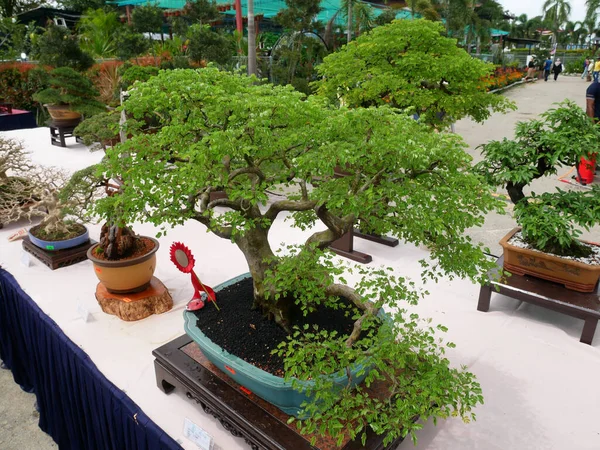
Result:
<point x="288" y="205"/>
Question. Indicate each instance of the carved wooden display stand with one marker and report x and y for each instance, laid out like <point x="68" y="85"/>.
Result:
<point x="55" y="259"/>
<point x="546" y="294"/>
<point x="180" y="364"/>
<point x="59" y="132"/>
<point x="135" y="306"/>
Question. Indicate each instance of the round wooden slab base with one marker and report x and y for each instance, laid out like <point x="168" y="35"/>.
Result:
<point x="154" y="300"/>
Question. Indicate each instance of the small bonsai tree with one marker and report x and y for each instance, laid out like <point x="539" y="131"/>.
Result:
<point x="100" y="131"/>
<point x="560" y="138"/>
<point x="410" y="64"/>
<point x="68" y="87"/>
<point x="228" y="132"/>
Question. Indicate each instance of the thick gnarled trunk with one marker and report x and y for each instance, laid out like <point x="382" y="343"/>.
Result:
<point x="259" y="256"/>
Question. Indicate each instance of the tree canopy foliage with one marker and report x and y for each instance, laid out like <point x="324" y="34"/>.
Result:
<point x="410" y="64"/>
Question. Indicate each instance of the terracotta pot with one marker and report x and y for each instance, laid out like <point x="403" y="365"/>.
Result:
<point x="62" y="114"/>
<point x="575" y="275"/>
<point x="128" y="275"/>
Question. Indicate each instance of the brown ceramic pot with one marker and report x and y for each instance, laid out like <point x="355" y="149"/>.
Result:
<point x="62" y="114"/>
<point x="575" y="275"/>
<point x="128" y="275"/>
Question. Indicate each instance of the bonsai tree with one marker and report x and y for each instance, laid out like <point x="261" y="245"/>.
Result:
<point x="409" y="64"/>
<point x="15" y="186"/>
<point x="219" y="131"/>
<point x="58" y="47"/>
<point x="68" y="87"/>
<point x="541" y="146"/>
<point x="100" y="131"/>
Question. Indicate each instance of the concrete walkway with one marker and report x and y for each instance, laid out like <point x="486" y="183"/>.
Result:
<point x="18" y="418"/>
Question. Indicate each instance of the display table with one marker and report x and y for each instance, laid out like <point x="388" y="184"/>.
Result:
<point x="546" y="294"/>
<point x="78" y="406"/>
<point x="18" y="119"/>
<point x="537" y="379"/>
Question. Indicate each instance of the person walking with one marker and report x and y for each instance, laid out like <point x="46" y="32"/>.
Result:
<point x="547" y="67"/>
<point x="586" y="66"/>
<point x="557" y="68"/>
<point x="596" y="69"/>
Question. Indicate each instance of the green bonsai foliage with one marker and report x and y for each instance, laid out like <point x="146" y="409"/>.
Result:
<point x="560" y="138"/>
<point x="100" y="131"/>
<point x="206" y="45"/>
<point x="218" y="131"/>
<point x="68" y="87"/>
<point x="57" y="47"/>
<point x="131" y="74"/>
<point x="409" y="64"/>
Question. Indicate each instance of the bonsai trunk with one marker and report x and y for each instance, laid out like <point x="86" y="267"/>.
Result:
<point x="259" y="256"/>
<point x="515" y="191"/>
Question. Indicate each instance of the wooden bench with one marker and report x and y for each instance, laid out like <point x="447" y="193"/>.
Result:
<point x="585" y="306"/>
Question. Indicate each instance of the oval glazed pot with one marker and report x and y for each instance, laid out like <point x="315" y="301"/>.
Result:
<point x="574" y="275"/>
<point x="58" y="245"/>
<point x="269" y="387"/>
<point x="128" y="275"/>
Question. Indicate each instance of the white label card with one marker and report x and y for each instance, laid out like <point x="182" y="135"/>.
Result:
<point x="197" y="435"/>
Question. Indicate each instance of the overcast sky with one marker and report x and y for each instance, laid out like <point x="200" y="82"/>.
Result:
<point x="534" y="8"/>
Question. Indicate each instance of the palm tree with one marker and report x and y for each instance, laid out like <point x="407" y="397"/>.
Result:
<point x="556" y="12"/>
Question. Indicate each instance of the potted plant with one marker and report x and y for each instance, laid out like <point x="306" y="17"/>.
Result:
<point x="124" y="262"/>
<point x="99" y="131"/>
<point x="218" y="130"/>
<point x="546" y="245"/>
<point x="69" y="96"/>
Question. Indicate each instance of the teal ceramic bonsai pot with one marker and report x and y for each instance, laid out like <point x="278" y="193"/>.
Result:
<point x="269" y="387"/>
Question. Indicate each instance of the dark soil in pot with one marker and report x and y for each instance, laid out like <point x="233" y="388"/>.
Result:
<point x="76" y="229"/>
<point x="141" y="246"/>
<point x="245" y="333"/>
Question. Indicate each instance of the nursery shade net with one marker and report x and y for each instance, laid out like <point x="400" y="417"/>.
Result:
<point x="268" y="8"/>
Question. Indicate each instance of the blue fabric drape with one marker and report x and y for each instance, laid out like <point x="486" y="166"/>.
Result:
<point x="78" y="406"/>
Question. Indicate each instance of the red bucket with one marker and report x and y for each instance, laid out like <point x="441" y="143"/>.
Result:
<point x="586" y="169"/>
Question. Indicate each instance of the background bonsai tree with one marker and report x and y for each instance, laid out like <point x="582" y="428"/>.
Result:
<point x="100" y="131"/>
<point x="222" y="131"/>
<point x="69" y="87"/>
<point x="559" y="138"/>
<point x="409" y="64"/>
<point x="15" y="186"/>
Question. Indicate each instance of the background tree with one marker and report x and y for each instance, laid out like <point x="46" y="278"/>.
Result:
<point x="130" y="44"/>
<point x="9" y="8"/>
<point x="556" y="13"/>
<point x="208" y="46"/>
<point x="297" y="52"/>
<point x="81" y="5"/>
<point x="97" y="30"/>
<point x="58" y="47"/>
<point x="409" y="64"/>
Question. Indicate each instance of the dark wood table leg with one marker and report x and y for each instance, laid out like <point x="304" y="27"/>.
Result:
<point x="589" y="328"/>
<point x="383" y="240"/>
<point x="344" y="246"/>
<point x="485" y="294"/>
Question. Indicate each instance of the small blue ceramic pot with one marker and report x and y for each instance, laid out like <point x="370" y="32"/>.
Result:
<point x="59" y="245"/>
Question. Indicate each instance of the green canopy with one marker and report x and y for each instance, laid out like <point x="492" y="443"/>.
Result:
<point x="267" y="8"/>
